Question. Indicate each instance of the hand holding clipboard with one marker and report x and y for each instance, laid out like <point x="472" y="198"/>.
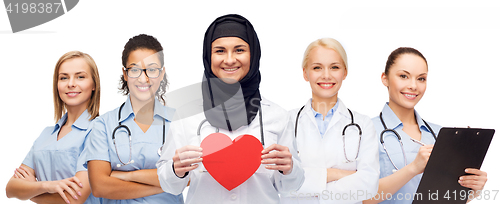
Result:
<point x="455" y="150"/>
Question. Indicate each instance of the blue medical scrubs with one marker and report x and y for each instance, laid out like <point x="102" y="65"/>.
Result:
<point x="406" y="193"/>
<point x="54" y="159"/>
<point x="144" y="145"/>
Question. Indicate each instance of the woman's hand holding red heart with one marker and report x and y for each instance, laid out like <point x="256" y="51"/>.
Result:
<point x="280" y="156"/>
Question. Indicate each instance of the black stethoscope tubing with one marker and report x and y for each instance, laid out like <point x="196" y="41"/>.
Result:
<point x="399" y="139"/>
<point x="198" y="132"/>
<point x="343" y="132"/>
<point x="130" y="139"/>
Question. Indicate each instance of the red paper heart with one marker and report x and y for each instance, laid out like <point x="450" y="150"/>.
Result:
<point x="231" y="162"/>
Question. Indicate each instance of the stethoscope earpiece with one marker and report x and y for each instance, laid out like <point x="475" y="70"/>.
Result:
<point x="394" y="170"/>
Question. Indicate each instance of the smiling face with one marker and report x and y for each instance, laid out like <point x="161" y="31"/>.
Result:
<point x="325" y="71"/>
<point x="230" y="59"/>
<point x="143" y="89"/>
<point x="75" y="83"/>
<point x="406" y="81"/>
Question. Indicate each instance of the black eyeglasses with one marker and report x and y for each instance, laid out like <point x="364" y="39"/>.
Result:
<point x="135" y="72"/>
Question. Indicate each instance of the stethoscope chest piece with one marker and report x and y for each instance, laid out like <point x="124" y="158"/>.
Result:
<point x="159" y="150"/>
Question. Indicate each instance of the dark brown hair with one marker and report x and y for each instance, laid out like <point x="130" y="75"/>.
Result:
<point x="148" y="42"/>
<point x="398" y="52"/>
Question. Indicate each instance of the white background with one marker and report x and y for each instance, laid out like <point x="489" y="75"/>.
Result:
<point x="460" y="41"/>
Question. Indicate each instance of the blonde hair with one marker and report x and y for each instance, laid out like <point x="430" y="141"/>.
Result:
<point x="329" y="43"/>
<point x="93" y="105"/>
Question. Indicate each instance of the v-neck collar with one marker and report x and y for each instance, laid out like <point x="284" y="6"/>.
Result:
<point x="82" y="123"/>
<point x="159" y="110"/>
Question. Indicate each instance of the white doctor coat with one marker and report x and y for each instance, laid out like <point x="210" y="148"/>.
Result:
<point x="318" y="153"/>
<point x="262" y="187"/>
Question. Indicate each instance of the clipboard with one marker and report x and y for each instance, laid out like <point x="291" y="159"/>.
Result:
<point x="455" y="150"/>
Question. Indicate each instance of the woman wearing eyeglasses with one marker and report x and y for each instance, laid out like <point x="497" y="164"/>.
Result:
<point x="125" y="142"/>
<point x="53" y="171"/>
<point x="401" y="166"/>
<point x="335" y="144"/>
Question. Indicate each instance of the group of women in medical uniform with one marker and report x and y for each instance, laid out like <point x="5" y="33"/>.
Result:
<point x="138" y="153"/>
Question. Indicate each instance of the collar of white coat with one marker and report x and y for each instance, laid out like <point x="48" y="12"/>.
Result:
<point x="81" y="123"/>
<point x="159" y="110"/>
<point x="392" y="121"/>
<point x="340" y="113"/>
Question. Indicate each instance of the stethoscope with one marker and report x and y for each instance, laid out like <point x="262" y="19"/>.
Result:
<point x="130" y="160"/>
<point x="343" y="133"/>
<point x="217" y="129"/>
<point x="400" y="142"/>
